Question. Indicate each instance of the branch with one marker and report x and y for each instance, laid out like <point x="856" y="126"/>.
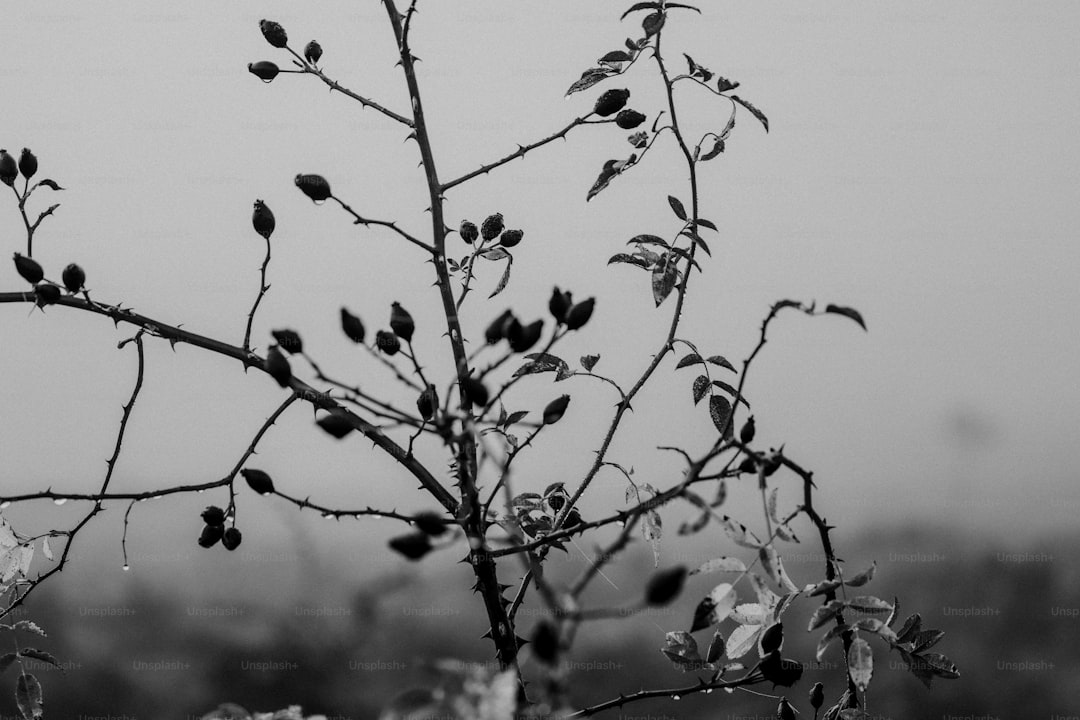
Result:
<point x="385" y="223"/>
<point x="334" y="85"/>
<point x="263" y="287"/>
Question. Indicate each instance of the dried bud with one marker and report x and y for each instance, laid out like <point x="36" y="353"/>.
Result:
<point x="314" y="186"/>
<point x="784" y="711"/>
<point x="523" y="337"/>
<point x="27" y="164"/>
<point x="231" y="539"/>
<point x="817" y="696"/>
<point x="351" y="325"/>
<point x="264" y="70"/>
<point x="746" y="433"/>
<point x="278" y="366"/>
<point x="629" y="119"/>
<point x="475" y="391"/>
<point x="428" y="402"/>
<point x="559" y="305"/>
<point x="289" y="340"/>
<point x="665" y="585"/>
<point x="47" y="294"/>
<point x="387" y="342"/>
<point x="274" y="33"/>
<point x="401" y="322"/>
<point x="262" y="219"/>
<point x="313" y="51"/>
<point x="492" y="226"/>
<point x="496" y="331"/>
<point x="468" y="231"/>
<point x="29" y="268"/>
<point x="430" y="523"/>
<point x="639" y="139"/>
<point x="611" y="102"/>
<point x="74" y="278"/>
<point x="337" y="424"/>
<point x="213" y="515"/>
<point x="510" y="238"/>
<point x="8" y="169"/>
<point x="545" y="642"/>
<point x="413" y="546"/>
<point x="210" y="535"/>
<point x="772" y="638"/>
<point x="258" y="481"/>
<point x="555" y="409"/>
<point x="579" y="314"/>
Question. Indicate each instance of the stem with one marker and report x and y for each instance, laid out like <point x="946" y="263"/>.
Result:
<point x="263" y="287"/>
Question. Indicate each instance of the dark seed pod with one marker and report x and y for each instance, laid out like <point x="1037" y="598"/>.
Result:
<point x="468" y="231"/>
<point x="262" y="219"/>
<point x="29" y="268"/>
<point x="278" y="366"/>
<point x="210" y="535"/>
<point x="213" y="515"/>
<point x="559" y="305"/>
<point x="475" y="391"/>
<point x="413" y="546"/>
<point x="314" y="186"/>
<point x="611" y="102"/>
<point x="9" y="170"/>
<point x="523" y="337"/>
<point x="74" y="278"/>
<point x="430" y="523"/>
<point x="336" y="424"/>
<point x="27" y="164"/>
<point x="387" y="342"/>
<point x="428" y="402"/>
<point x="289" y="341"/>
<point x="748" y="465"/>
<point x="817" y="696"/>
<point x="274" y="33"/>
<point x="772" y="638"/>
<point x="313" y="51"/>
<point x="780" y="671"/>
<point x="784" y="711"/>
<point x="629" y="119"/>
<point x="231" y="539"/>
<point x="545" y="642"/>
<point x="579" y="314"/>
<point x="258" y="481"/>
<point x="351" y="325"/>
<point x="401" y="322"/>
<point x="555" y="409"/>
<point x="573" y="519"/>
<point x="264" y="70"/>
<point x="746" y="433"/>
<point x="665" y="585"/>
<point x="496" y="331"/>
<point x="491" y="227"/>
<point x="510" y="238"/>
<point x="47" y="293"/>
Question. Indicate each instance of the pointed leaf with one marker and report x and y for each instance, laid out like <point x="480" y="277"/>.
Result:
<point x="823" y="587"/>
<point x="702" y="222"/>
<point x="926" y="639"/>
<point x="681" y="648"/>
<point x="52" y="184"/>
<point x="542" y="362"/>
<point x="714" y="607"/>
<point x="45" y="549"/>
<point x="28" y="696"/>
<point x="720" y="564"/>
<point x="589" y="362"/>
<point x="940" y="665"/>
<point x="504" y="279"/>
<point x="701" y="386"/>
<point x="846" y="312"/>
<point x="860" y="663"/>
<point x="730" y="389"/>
<point x="717" y="148"/>
<point x="824" y="614"/>
<point x="589" y="78"/>
<point x="616" y="56"/>
<point x="495" y="253"/>
<point x="721" y="361"/>
<point x="828" y="639"/>
<point x="691" y="359"/>
<point x="753" y="111"/>
<point x="42" y="656"/>
<point x="640" y="6"/>
<point x="515" y="417"/>
<point x="910" y="627"/>
<point x="742" y="640"/>
<point x="677" y="207"/>
<point x="664" y="277"/>
<point x="720" y="412"/>
<point x="630" y="259"/>
<point x="869" y="604"/>
<point x="862" y="578"/>
<point x="739" y="533"/>
<point x="716" y="648"/>
<point x="652" y="530"/>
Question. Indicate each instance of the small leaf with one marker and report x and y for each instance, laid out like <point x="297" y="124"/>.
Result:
<point x="860" y="663"/>
<point x="691" y="359"/>
<point x="824" y="614"/>
<point x="753" y="111"/>
<point x="28" y="696"/>
<point x="926" y="639"/>
<point x="822" y="587"/>
<point x="515" y="417"/>
<point x="846" y="312"/>
<point x="910" y="627"/>
<point x="652" y="24"/>
<point x="49" y="184"/>
<point x="495" y="253"/>
<point x="715" y="607"/>
<point x="720" y="412"/>
<point x="862" y="578"/>
<point x="681" y="648"/>
<point x="589" y="362"/>
<point x="504" y="279"/>
<point x="869" y="604"/>
<point x="640" y="6"/>
<point x="677" y="207"/>
<point x="721" y="361"/>
<point x="940" y="665"/>
<point x="616" y="56"/>
<point x="717" y="148"/>
<point x="730" y="389"/>
<point x="647" y="239"/>
<point x="723" y="85"/>
<point x="542" y="362"/>
<point x="716" y="648"/>
<point x="589" y="78"/>
<point x="29" y="626"/>
<point x="720" y="564"/>
<point x="701" y="386"/>
<point x="630" y="259"/>
<point x="652" y="530"/>
<point x="828" y="639"/>
<point x="42" y="656"/>
<point x="742" y="640"/>
<point x="739" y="534"/>
<point x="664" y="277"/>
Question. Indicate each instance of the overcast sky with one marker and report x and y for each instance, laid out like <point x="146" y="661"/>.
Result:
<point x="921" y="167"/>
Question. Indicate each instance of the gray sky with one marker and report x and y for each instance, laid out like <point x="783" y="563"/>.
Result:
<point x="921" y="167"/>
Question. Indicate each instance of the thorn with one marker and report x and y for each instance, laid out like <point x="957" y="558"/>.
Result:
<point x="486" y="635"/>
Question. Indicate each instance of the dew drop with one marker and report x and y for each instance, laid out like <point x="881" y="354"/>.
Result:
<point x="59" y="501"/>
<point x="268" y="81"/>
<point x="676" y="697"/>
<point x="126" y="567"/>
<point x="5" y="504"/>
<point x="317" y="202"/>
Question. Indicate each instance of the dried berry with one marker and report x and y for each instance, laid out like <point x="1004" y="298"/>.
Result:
<point x="413" y="546"/>
<point x="475" y="391"/>
<point x="213" y="515"/>
<point x="555" y="409"/>
<point x="387" y="342"/>
<point x="313" y="51"/>
<point x="611" y="102"/>
<point x="262" y="219"/>
<point x="496" y="331"/>
<point x="289" y="341"/>
<point x="817" y="696"/>
<point x="231" y="539"/>
<point x="210" y="535"/>
<point x="491" y="227"/>
<point x="523" y="337"/>
<point x="629" y="119"/>
<point x="665" y="585"/>
<point x="430" y="523"/>
<point x="264" y="70"/>
<point x="559" y="304"/>
<point x="314" y="186"/>
<point x="401" y="322"/>
<point x="510" y="238"/>
<point x="351" y="325"/>
<point x="278" y="366"/>
<point x="27" y="164"/>
<point x="9" y="170"/>
<point x="428" y="402"/>
<point x="579" y="314"/>
<point x="47" y="294"/>
<point x="780" y="671"/>
<point x="748" y="465"/>
<point x="74" y="278"/>
<point x="772" y="638"/>
<point x="274" y="33"/>
<point x="29" y="269"/>
<point x="258" y="481"/>
<point x="545" y="642"/>
<point x="746" y="433"/>
<point x="337" y="424"/>
<point x="468" y="231"/>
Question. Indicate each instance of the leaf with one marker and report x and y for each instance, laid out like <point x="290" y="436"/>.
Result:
<point x="640" y="6"/>
<point x="7" y="535"/>
<point x="730" y="389"/>
<point x="697" y="70"/>
<point x="926" y="639"/>
<point x="721" y="361"/>
<point x="42" y="656"/>
<point x="702" y="222"/>
<point x="589" y="362"/>
<point x="29" y="626"/>
<point x="542" y="362"/>
<point x="652" y="24"/>
<point x="824" y="614"/>
<point x="910" y="627"/>
<point x="681" y="648"/>
<point x="742" y="640"/>
<point x="714" y="607"/>
<point x="846" y="312"/>
<point x="691" y="359"/>
<point x="723" y="85"/>
<point x="495" y="253"/>
<point x="862" y="578"/>
<point x="52" y="184"/>
<point x="647" y="239"/>
<point x="828" y="639"/>
<point x="860" y="663"/>
<point x="45" y="549"/>
<point x="753" y="111"/>
<point x="28" y="696"/>
<point x="589" y="78"/>
<point x="652" y="529"/>
<point x="616" y="56"/>
<point x="739" y="534"/>
<point x="602" y="180"/>
<point x="940" y="665"/>
<point x="701" y="386"/>
<point x="677" y="207"/>
<point x="750" y="614"/>
<point x="664" y="277"/>
<point x="869" y="604"/>
<point x="717" y="148"/>
<point x="504" y="279"/>
<point x="720" y="412"/>
<point x="630" y="259"/>
<point x="823" y="587"/>
<point x="514" y="417"/>
<point x="697" y="524"/>
<point x="720" y="564"/>
<point x="765" y="596"/>
<point x="716" y="648"/>
<point x="774" y="566"/>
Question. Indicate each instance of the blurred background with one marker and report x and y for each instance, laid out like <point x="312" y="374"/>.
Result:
<point x="920" y="167"/>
